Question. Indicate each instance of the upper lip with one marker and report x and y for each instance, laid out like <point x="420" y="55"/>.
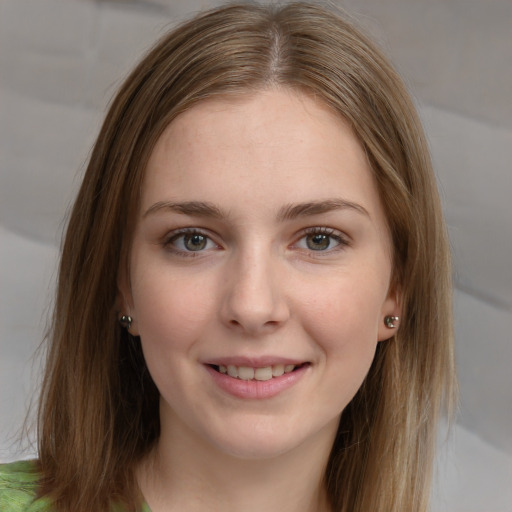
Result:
<point x="253" y="362"/>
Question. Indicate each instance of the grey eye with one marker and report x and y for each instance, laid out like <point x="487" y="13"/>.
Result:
<point x="195" y="242"/>
<point x="321" y="239"/>
<point x="318" y="242"/>
<point x="186" y="242"/>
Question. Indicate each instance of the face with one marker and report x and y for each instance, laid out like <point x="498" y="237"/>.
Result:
<point x="259" y="272"/>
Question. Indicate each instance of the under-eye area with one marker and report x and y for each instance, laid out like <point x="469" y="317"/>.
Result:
<point x="262" y="373"/>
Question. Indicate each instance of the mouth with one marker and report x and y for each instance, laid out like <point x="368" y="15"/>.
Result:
<point x="258" y="374"/>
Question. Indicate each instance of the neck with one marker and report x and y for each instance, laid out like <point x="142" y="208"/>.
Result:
<point x="185" y="473"/>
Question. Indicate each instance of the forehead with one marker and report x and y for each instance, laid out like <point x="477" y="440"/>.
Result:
<point x="268" y="147"/>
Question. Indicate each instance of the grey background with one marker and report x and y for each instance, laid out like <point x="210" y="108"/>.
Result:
<point x="61" y="61"/>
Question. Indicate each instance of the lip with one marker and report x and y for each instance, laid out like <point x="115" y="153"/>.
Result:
<point x="254" y="389"/>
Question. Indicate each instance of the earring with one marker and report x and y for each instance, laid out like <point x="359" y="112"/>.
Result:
<point x="126" y="321"/>
<point x="391" y="321"/>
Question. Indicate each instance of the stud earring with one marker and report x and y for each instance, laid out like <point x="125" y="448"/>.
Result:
<point x="126" y="321"/>
<point x="391" y="321"/>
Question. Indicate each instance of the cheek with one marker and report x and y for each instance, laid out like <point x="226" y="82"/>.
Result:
<point x="344" y="318"/>
<point x="171" y="316"/>
<point x="343" y="327"/>
<point x="168" y="311"/>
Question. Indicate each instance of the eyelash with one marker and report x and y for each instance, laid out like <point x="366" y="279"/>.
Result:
<point x="342" y="241"/>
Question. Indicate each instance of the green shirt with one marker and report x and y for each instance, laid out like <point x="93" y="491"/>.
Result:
<point x="18" y="489"/>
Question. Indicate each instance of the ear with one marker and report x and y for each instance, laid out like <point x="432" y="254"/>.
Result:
<point x="124" y="300"/>
<point x="392" y="306"/>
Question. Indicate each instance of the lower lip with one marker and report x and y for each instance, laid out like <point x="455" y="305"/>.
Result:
<point x="256" y="389"/>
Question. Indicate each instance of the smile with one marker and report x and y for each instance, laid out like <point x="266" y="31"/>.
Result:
<point x="261" y="374"/>
<point x="258" y="381"/>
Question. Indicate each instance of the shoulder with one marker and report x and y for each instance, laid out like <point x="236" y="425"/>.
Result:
<point x="19" y="484"/>
<point x="18" y="488"/>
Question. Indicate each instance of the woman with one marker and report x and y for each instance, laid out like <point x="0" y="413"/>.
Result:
<point x="253" y="305"/>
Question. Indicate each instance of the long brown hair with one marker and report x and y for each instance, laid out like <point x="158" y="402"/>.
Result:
<point x="99" y="408"/>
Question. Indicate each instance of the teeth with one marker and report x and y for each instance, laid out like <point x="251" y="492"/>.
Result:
<point x="277" y="370"/>
<point x="247" y="373"/>
<point x="263" y="373"/>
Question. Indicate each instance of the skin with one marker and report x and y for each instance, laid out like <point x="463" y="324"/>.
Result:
<point x="269" y="279"/>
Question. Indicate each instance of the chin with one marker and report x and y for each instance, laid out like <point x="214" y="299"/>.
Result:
<point x="267" y="441"/>
<point x="256" y="449"/>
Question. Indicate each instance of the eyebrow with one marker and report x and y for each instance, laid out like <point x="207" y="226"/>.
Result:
<point x="287" y="212"/>
<point x="311" y="208"/>
<point x="193" y="208"/>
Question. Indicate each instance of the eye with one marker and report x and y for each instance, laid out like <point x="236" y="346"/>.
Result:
<point x="321" y="239"/>
<point x="190" y="241"/>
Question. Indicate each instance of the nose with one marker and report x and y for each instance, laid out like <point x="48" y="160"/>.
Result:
<point x="254" y="299"/>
